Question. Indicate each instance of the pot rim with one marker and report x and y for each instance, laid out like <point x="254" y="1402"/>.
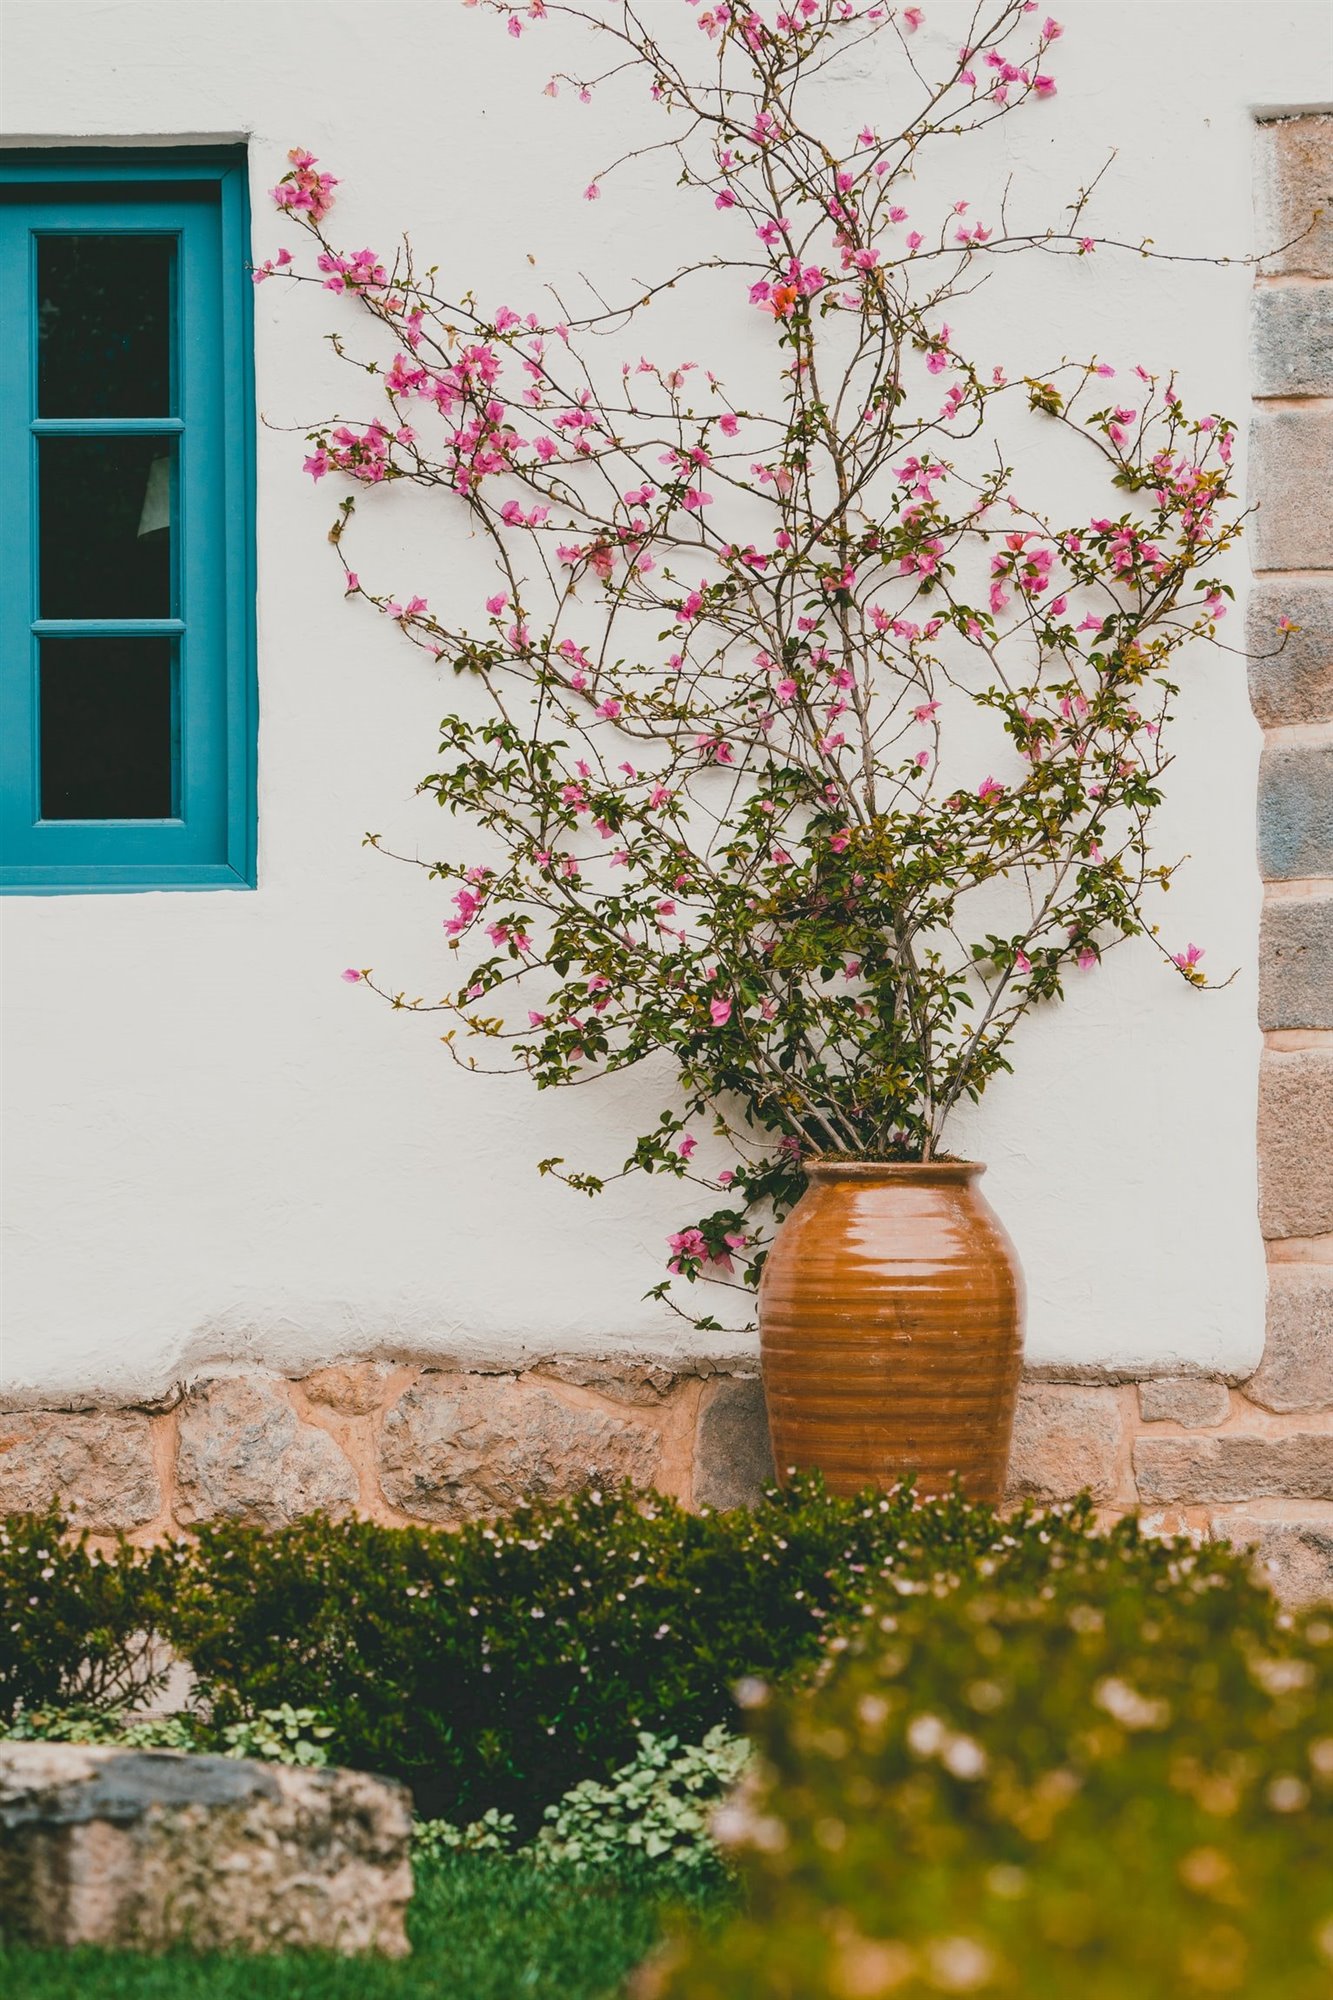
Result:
<point x="947" y="1172"/>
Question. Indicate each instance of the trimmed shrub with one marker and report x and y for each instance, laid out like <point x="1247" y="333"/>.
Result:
<point x="496" y="1666"/>
<point x="1110" y="1778"/>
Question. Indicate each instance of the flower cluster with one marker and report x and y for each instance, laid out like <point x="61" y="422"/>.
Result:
<point x="719" y="812"/>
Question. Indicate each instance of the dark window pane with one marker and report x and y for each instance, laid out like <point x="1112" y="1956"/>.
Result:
<point x="107" y="728"/>
<point x="106" y="526"/>
<point x="104" y="326"/>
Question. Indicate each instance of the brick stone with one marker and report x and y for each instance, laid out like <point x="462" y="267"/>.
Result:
<point x="1234" y="1466"/>
<point x="1296" y="810"/>
<point x="454" y="1446"/>
<point x="142" y="1850"/>
<point x="1184" y="1399"/>
<point x="733" y="1457"/>
<point x="624" y="1380"/>
<point x="244" y="1455"/>
<point x="1290" y="453"/>
<point x="1291" y="680"/>
<point x="1296" y="1372"/>
<point x="349" y="1392"/>
<point x="1296" y="963"/>
<point x="1295" y="1153"/>
<point x="1064" y="1440"/>
<point x="1291" y="340"/>
<point x="97" y="1463"/>
<point x="1294" y="1558"/>
<point x="1295" y="178"/>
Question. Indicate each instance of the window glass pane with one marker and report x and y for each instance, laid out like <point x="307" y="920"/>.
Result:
<point x="104" y="326"/>
<point x="106" y="507"/>
<point x="108" y="728"/>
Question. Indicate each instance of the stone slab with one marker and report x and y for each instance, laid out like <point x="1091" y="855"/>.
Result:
<point x="1296" y="810"/>
<point x="1291" y="340"/>
<point x="1294" y="1558"/>
<point x="141" y="1850"/>
<point x="733" y="1456"/>
<point x="456" y="1446"/>
<point x="1184" y="1399"/>
<point x="1235" y="1466"/>
<point x="244" y="1455"/>
<point x="1294" y="179"/>
<point x="1296" y="962"/>
<point x="1296" y="1372"/>
<point x="1295" y="1156"/>
<point x="1290" y="453"/>
<point x="97" y="1463"/>
<point x="1064" y="1440"/>
<point x="1291" y="678"/>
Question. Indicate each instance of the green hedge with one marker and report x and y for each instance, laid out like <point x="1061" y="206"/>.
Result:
<point x="1110" y="1779"/>
<point x="497" y="1665"/>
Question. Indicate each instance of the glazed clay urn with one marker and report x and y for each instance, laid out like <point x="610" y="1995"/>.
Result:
<point x="891" y="1325"/>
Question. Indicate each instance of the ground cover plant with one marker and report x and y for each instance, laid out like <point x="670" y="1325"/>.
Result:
<point x="1113" y="1779"/>
<point x="481" y="1929"/>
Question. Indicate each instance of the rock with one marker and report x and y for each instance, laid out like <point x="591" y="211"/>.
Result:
<point x="1296" y="962"/>
<point x="1295" y="1157"/>
<point x="1064" y="1440"/>
<point x="1290" y="453"/>
<point x="245" y="1456"/>
<point x="623" y="1380"/>
<point x="143" y="1849"/>
<point x="1184" y="1399"/>
<point x="1235" y="1466"/>
<point x="97" y="1463"/>
<point x="1291" y="681"/>
<point x="733" y="1457"/>
<point x="1296" y="1372"/>
<point x="1295" y="179"/>
<point x="350" y="1392"/>
<point x="454" y="1446"/>
<point x="1296" y="806"/>
<point x="1291" y="340"/>
<point x="1294" y="1558"/>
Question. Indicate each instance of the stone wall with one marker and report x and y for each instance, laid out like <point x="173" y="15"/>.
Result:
<point x="1252" y="1463"/>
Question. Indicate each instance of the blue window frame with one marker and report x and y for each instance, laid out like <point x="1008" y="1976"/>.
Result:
<point x="127" y="691"/>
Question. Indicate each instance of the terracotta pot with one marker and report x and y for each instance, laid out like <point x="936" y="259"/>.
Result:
<point x="891" y="1325"/>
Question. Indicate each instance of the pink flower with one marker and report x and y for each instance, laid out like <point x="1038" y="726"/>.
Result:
<point x="351" y="977"/>
<point x="687" y="1145"/>
<point x="988" y="789"/>
<point x="497" y="604"/>
<point x="1022" y="963"/>
<point x="1087" y="957"/>
<point x="839" y="841"/>
<point x="914" y="239"/>
<point x="720" y="1011"/>
<point x="728" y="425"/>
<point x="912" y="19"/>
<point x="592" y="192"/>
<point x="1184" y="959"/>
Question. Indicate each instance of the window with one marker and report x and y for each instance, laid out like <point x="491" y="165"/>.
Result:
<point x="127" y="710"/>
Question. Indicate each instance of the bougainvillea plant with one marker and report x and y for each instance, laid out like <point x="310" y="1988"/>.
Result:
<point x="717" y="816"/>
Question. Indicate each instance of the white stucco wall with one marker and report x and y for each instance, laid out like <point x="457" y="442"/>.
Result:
<point x="218" y="1151"/>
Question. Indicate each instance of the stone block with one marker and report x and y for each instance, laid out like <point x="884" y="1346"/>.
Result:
<point x="1294" y="1558"/>
<point x="1184" y="1399"/>
<point x="1291" y="340"/>
<point x="1296" y="1372"/>
<point x="733" y="1457"/>
<point x="1295" y="179"/>
<point x="1291" y="680"/>
<point x="454" y="1446"/>
<point x="1290" y="453"/>
<point x="1295" y="1153"/>
<point x="244" y="1455"/>
<point x="353" y="1391"/>
<point x="97" y="1463"/>
<point x="623" y="1380"/>
<point x="142" y="1850"/>
<point x="1296" y="810"/>
<point x="1235" y="1466"/>
<point x="1296" y="962"/>
<point x="1064" y="1440"/>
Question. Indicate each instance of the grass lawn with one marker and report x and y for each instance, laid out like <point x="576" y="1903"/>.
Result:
<point x="482" y="1928"/>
